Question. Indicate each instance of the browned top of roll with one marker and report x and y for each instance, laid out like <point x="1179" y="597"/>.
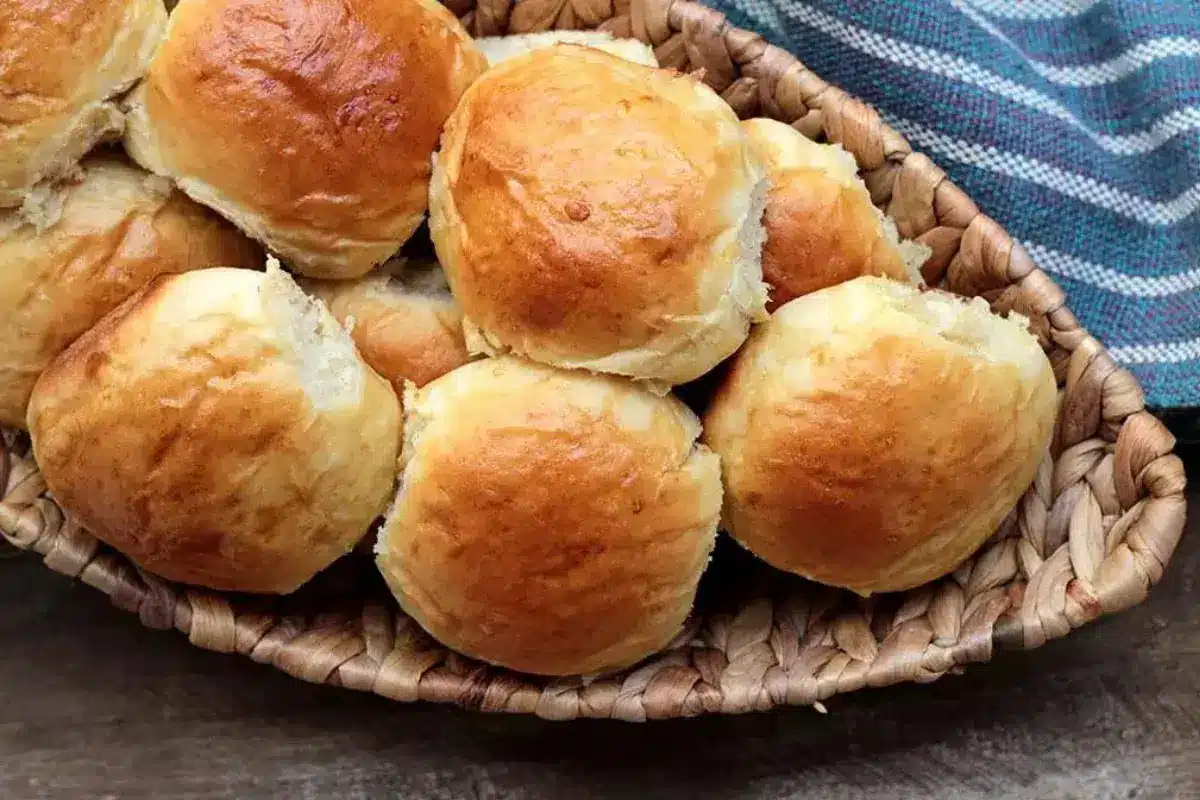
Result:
<point x="309" y="122"/>
<point x="595" y="213"/>
<point x="407" y="326"/>
<point x="219" y="429"/>
<point x="822" y="228"/>
<point x="551" y="521"/>
<point x="873" y="436"/>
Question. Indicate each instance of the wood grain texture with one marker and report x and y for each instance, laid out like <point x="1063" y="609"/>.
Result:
<point x="94" y="706"/>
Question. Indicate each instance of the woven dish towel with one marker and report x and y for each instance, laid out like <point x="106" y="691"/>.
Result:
<point x="1074" y="123"/>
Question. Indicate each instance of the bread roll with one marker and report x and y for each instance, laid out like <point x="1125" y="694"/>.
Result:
<point x="61" y="65"/>
<point x="502" y="48"/>
<point x="406" y="324"/>
<point x="219" y="429"/>
<point x="598" y="214"/>
<point x="874" y="436"/>
<point x="552" y="522"/>
<point x="309" y="123"/>
<point x="109" y="234"/>
<point x="822" y="228"/>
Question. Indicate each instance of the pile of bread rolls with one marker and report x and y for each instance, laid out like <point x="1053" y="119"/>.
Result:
<point x="234" y="351"/>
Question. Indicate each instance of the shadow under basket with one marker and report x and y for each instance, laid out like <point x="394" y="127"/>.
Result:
<point x="1089" y="538"/>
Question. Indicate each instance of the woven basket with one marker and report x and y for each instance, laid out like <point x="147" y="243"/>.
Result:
<point x="1090" y="537"/>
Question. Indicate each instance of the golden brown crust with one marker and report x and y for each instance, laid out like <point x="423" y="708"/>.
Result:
<point x="587" y="211"/>
<point x="118" y="227"/>
<point x="552" y="522"/>
<point x="179" y="430"/>
<point x="405" y="331"/>
<point x="821" y="233"/>
<point x="60" y="64"/>
<point x="869" y="445"/>
<point x="310" y="123"/>
<point x="822" y="229"/>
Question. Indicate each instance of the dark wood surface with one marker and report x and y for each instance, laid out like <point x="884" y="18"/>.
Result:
<point x="93" y="706"/>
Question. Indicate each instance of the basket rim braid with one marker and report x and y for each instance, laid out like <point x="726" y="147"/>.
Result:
<point x="1090" y="537"/>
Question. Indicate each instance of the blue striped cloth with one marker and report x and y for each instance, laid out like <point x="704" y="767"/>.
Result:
<point x="1074" y="123"/>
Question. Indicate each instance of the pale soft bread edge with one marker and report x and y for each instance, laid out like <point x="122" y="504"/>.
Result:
<point x="501" y="48"/>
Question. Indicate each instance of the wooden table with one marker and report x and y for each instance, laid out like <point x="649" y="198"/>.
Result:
<point x="96" y="707"/>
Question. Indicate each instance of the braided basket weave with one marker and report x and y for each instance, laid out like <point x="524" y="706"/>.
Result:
<point x="1090" y="537"/>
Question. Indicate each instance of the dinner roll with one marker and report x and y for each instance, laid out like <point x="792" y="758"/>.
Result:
<point x="873" y="436"/>
<point x="61" y="65"/>
<point x="309" y="123"/>
<point x="822" y="228"/>
<point x="108" y="235"/>
<point x="598" y="214"/>
<point x="501" y="48"/>
<point x="406" y="324"/>
<point x="552" y="522"/>
<point x="219" y="429"/>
